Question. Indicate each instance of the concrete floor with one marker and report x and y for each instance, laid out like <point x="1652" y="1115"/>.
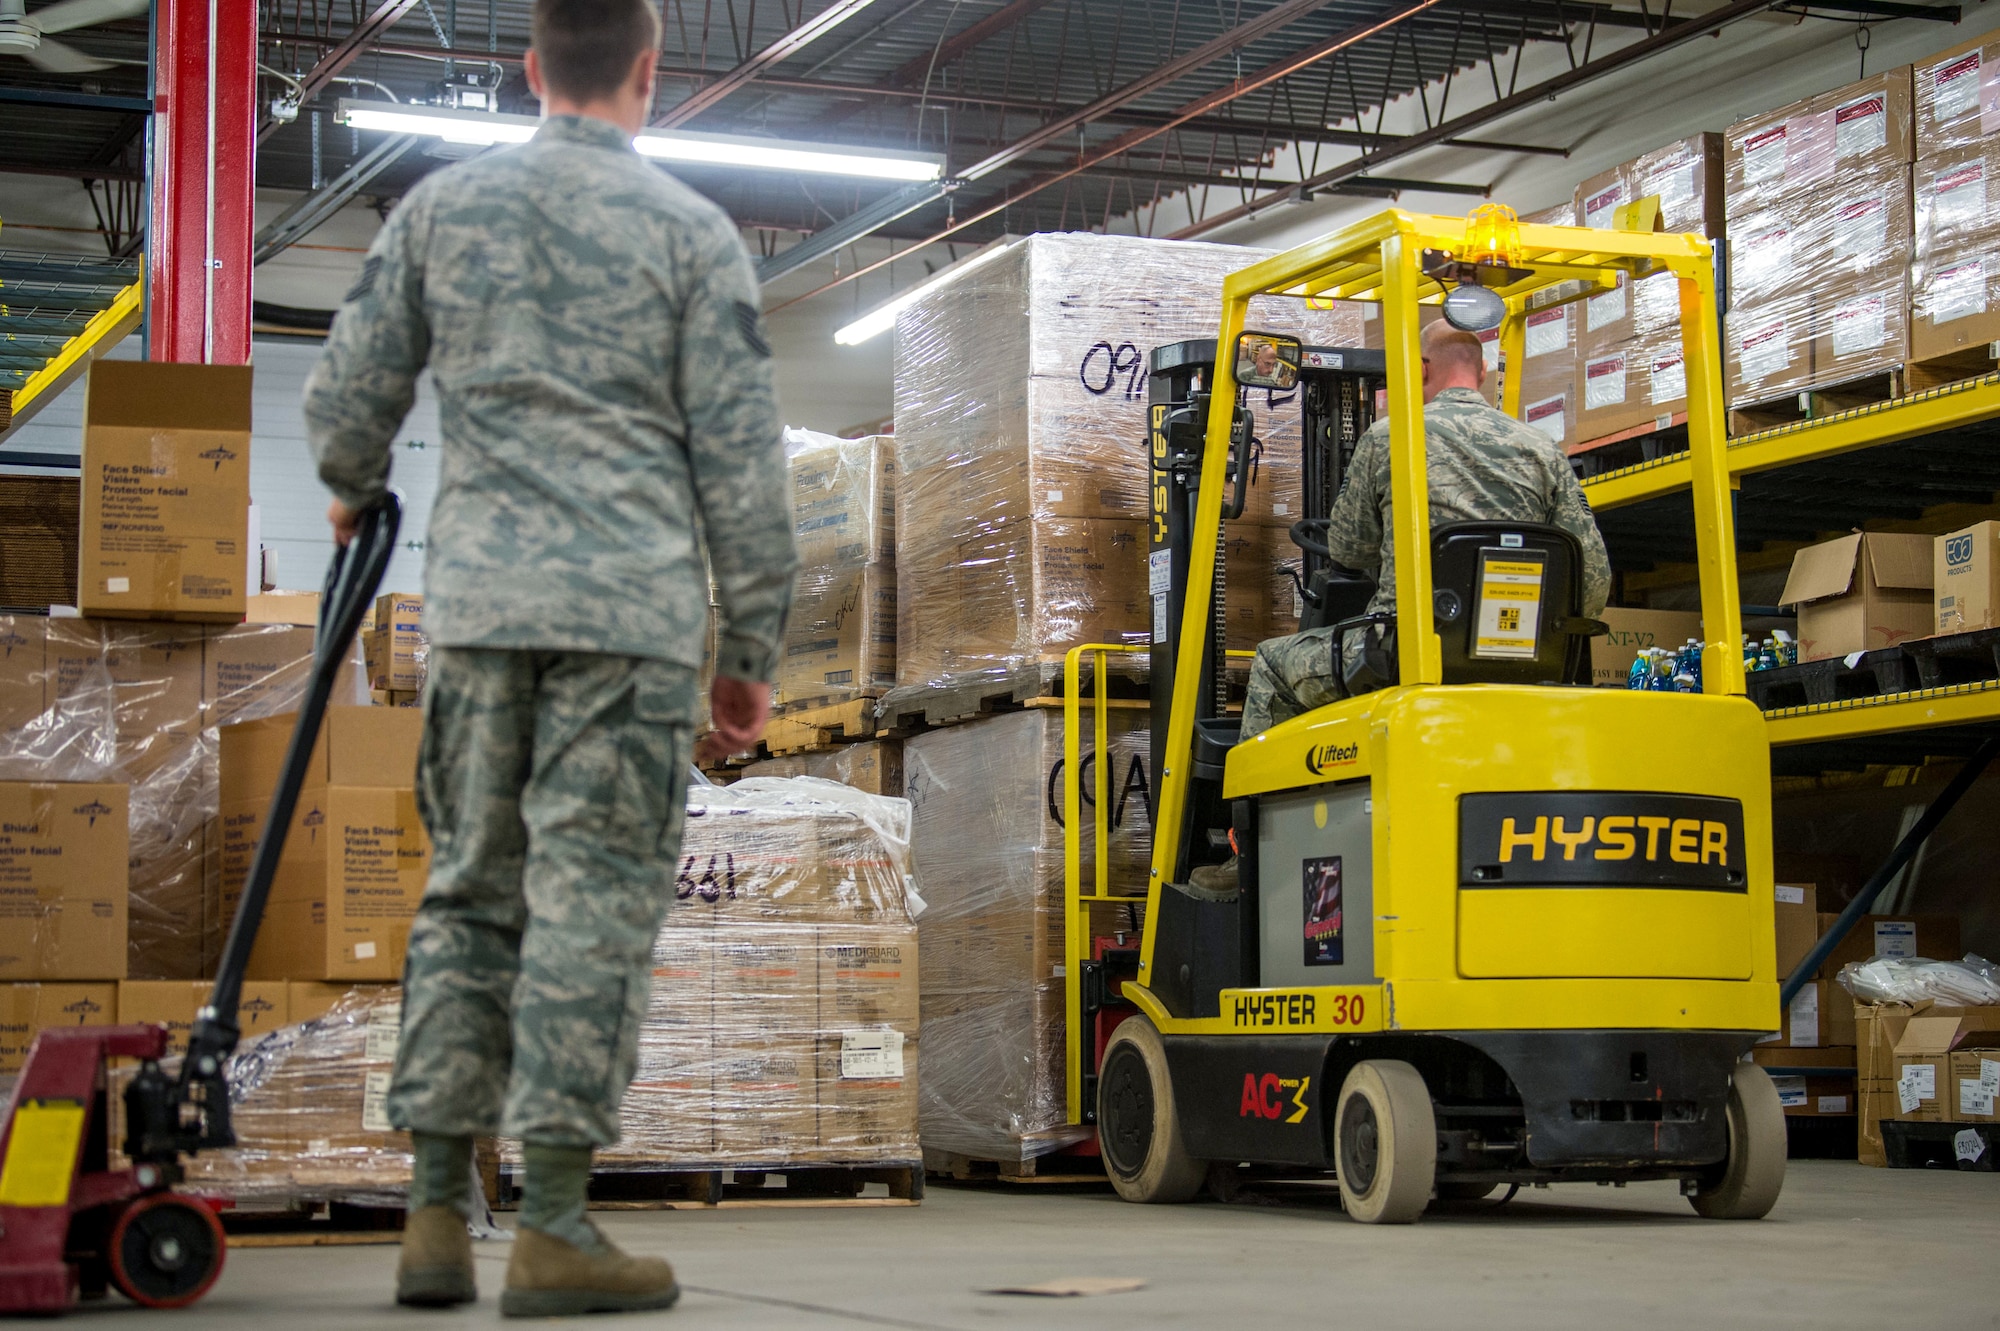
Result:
<point x="1847" y="1246"/>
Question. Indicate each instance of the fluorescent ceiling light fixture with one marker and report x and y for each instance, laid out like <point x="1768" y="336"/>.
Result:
<point x="883" y="317"/>
<point x="736" y="150"/>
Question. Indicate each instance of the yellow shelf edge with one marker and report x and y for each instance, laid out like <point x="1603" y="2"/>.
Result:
<point x="1858" y="718"/>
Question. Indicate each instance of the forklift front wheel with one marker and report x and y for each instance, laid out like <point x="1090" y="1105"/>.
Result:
<point x="1386" y="1137"/>
<point x="1138" y="1128"/>
<point x="1746" y="1185"/>
<point x="166" y="1251"/>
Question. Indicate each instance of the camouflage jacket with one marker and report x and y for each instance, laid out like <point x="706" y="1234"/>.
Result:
<point x="604" y="393"/>
<point x="1483" y="466"/>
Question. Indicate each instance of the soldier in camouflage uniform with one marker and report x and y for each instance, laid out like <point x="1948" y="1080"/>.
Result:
<point x="1483" y="466"/>
<point x="593" y="332"/>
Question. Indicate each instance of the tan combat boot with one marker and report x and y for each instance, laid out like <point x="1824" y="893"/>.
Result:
<point x="548" y="1277"/>
<point x="436" y="1266"/>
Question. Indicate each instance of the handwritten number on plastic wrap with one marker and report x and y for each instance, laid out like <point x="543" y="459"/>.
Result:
<point x="709" y="887"/>
<point x="1104" y="365"/>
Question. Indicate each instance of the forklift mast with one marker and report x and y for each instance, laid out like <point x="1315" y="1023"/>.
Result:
<point x="1336" y="401"/>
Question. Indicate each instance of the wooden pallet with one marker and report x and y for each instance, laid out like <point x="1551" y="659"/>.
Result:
<point x="990" y="693"/>
<point x="811" y="729"/>
<point x="1819" y="400"/>
<point x="1060" y="1170"/>
<point x="1953" y="367"/>
<point x="777" y="1185"/>
<point x="311" y="1225"/>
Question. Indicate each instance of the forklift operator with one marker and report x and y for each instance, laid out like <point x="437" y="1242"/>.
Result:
<point x="1483" y="466"/>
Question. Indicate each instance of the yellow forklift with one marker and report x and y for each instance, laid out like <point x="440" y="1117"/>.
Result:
<point x="1494" y="927"/>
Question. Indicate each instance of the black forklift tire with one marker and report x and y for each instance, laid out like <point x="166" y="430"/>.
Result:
<point x="1385" y="1142"/>
<point x="1139" y="1129"/>
<point x="1747" y="1184"/>
<point x="1448" y="1191"/>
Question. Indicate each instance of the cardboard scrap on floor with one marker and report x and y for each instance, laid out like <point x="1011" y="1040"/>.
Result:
<point x="1074" y="1286"/>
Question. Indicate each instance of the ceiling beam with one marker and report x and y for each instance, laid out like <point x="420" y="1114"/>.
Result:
<point x="784" y="48"/>
<point x="1679" y="33"/>
<point x="383" y="17"/>
<point x="81" y="101"/>
<point x="298" y="221"/>
<point x="917" y="68"/>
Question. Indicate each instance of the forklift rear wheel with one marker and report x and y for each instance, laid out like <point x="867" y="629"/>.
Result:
<point x="1386" y="1137"/>
<point x="1138" y="1128"/>
<point x="1746" y="1185"/>
<point x="166" y="1251"/>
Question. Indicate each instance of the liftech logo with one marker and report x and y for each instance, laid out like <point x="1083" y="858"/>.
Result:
<point x="1323" y="758"/>
<point x="1264" y="1097"/>
<point x="94" y="810"/>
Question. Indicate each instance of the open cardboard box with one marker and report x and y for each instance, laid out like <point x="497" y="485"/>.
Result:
<point x="1923" y="1058"/>
<point x="1860" y="592"/>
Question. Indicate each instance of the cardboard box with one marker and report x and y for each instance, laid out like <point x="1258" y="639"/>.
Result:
<point x="353" y="869"/>
<point x="767" y="977"/>
<point x="1934" y="936"/>
<point x="300" y="608"/>
<point x="265" y="1006"/>
<point x="307" y="1000"/>
<point x="1924" y="1058"/>
<point x="155" y="672"/>
<point x="63" y="852"/>
<point x="165" y="491"/>
<point x="1821" y="1016"/>
<point x="1955" y="96"/>
<point x="23" y="676"/>
<point x="765" y="1097"/>
<point x="1975" y="1082"/>
<point x="1860" y="592"/>
<point x="395" y="650"/>
<point x="867" y="1093"/>
<point x="840" y="638"/>
<point x="1614" y="386"/>
<point x="1769" y="155"/>
<point x="844" y="502"/>
<point x="1686" y="177"/>
<point x="1866" y="126"/>
<point x="1965" y="575"/>
<point x="26" y="1010"/>
<point x="357" y="746"/>
<point x="253" y="670"/>
<point x="1955" y="302"/>
<point x="1806" y="1093"/>
<point x="1797" y="924"/>
<point x="1861" y="328"/>
<point x="1633" y="631"/>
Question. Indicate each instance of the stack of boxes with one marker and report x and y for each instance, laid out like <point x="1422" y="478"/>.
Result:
<point x="1955" y="273"/>
<point x="1819" y="215"/>
<point x="1549" y="398"/>
<point x="395" y="651"/>
<point x="987" y="842"/>
<point x="840" y="639"/>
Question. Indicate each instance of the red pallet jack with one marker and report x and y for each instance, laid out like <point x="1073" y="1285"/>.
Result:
<point x="70" y="1224"/>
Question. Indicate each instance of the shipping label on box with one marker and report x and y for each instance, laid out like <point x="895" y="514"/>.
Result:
<point x="1796" y="926"/>
<point x="1975" y="1075"/>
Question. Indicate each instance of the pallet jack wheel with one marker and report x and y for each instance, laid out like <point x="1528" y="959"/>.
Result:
<point x="166" y="1251"/>
<point x="1386" y="1137"/>
<point x="1138" y="1127"/>
<point x="1747" y="1184"/>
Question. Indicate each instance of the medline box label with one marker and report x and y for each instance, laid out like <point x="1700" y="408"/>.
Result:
<point x="1601" y="839"/>
<point x="1966" y="574"/>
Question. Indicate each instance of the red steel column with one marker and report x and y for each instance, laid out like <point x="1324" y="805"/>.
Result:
<point x="204" y="169"/>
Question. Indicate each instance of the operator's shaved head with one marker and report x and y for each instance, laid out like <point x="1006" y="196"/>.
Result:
<point x="1453" y="359"/>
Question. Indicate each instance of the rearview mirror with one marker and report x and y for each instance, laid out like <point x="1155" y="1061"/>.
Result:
<point x="1267" y="360"/>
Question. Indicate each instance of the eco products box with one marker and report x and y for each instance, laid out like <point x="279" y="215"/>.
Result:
<point x="166" y="491"/>
<point x="1860" y="592"/>
<point x="1934" y="936"/>
<point x="26" y="1010"/>
<point x="1966" y="579"/>
<point x="1633" y="631"/>
<point x="1797" y="924"/>
<point x="1975" y="1084"/>
<point x="63" y="851"/>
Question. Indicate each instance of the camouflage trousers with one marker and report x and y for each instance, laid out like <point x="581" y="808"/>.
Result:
<point x="1290" y="677"/>
<point x="553" y="786"/>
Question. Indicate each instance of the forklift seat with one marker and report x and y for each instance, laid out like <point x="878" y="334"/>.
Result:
<point x="1466" y="560"/>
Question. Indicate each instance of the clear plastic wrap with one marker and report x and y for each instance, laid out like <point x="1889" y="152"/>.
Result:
<point x="1021" y="398"/>
<point x="139" y="703"/>
<point x="1954" y="303"/>
<point x="840" y="639"/>
<point x="986" y="799"/>
<point x="1860" y="237"/>
<point x="1957" y="94"/>
<point x="1768" y="332"/>
<point x="1972" y="982"/>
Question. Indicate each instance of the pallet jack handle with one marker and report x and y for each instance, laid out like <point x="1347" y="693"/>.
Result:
<point x="160" y="1129"/>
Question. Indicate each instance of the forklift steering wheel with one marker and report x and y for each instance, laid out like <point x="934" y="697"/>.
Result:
<point x="1304" y="532"/>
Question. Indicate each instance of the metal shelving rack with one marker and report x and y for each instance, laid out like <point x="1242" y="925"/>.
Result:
<point x="1904" y="456"/>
